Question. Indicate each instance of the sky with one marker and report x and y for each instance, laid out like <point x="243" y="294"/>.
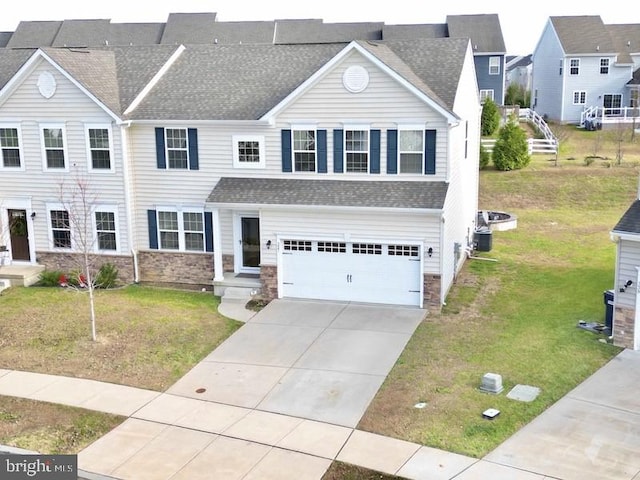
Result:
<point x="521" y="22"/>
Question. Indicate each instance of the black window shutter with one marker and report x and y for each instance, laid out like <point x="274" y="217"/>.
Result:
<point x="208" y="231"/>
<point x="430" y="152"/>
<point x="338" y="150"/>
<point x="193" y="148"/>
<point x="392" y="151"/>
<point x="286" y="150"/>
<point x="321" y="147"/>
<point x="160" y="154"/>
<point x="153" y="229"/>
<point x="374" y="138"/>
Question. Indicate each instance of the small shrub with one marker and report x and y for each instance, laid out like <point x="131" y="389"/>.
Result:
<point x="490" y="120"/>
<point x="511" y="151"/>
<point x="50" y="278"/>
<point x="107" y="276"/>
<point x="485" y="157"/>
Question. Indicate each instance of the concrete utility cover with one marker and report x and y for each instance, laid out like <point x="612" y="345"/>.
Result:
<point x="524" y="393"/>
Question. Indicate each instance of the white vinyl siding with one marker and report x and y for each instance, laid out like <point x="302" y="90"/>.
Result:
<point x="548" y="59"/>
<point x="78" y="111"/>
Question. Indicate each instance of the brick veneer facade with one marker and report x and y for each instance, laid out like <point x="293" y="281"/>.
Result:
<point x="624" y="327"/>
<point x="186" y="270"/>
<point x="68" y="262"/>
<point x="269" y="279"/>
<point x="227" y="263"/>
<point x="431" y="291"/>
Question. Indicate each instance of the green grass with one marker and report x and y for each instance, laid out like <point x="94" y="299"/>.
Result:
<point x="517" y="316"/>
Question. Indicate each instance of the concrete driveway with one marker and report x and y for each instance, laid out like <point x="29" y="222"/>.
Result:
<point x="322" y="361"/>
<point x="593" y="433"/>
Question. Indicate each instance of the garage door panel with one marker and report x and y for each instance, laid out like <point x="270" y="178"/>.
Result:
<point x="374" y="273"/>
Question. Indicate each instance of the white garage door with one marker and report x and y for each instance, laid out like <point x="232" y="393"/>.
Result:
<point x="359" y="272"/>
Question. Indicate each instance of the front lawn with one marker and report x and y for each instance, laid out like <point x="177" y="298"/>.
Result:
<point x="147" y="337"/>
<point x="516" y="317"/>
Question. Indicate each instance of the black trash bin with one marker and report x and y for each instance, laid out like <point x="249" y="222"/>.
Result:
<point x="483" y="239"/>
<point x="608" y="302"/>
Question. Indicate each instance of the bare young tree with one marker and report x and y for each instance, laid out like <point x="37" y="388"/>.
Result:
<point x="620" y="134"/>
<point x="79" y="202"/>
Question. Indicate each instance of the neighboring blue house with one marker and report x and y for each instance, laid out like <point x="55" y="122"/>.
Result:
<point x="586" y="71"/>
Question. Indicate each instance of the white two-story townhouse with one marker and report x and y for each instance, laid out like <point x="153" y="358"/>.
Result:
<point x="584" y="69"/>
<point x="329" y="171"/>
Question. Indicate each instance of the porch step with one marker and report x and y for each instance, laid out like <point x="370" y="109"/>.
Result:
<point x="251" y="283"/>
<point x="233" y="302"/>
<point x="4" y="284"/>
<point x="21" y="275"/>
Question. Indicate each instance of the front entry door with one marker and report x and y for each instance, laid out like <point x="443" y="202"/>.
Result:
<point x="19" y="235"/>
<point x="250" y="227"/>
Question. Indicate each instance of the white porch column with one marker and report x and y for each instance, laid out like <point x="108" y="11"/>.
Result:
<point x="218" y="271"/>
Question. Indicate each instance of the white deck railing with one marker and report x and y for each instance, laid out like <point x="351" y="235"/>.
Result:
<point x="610" y="115"/>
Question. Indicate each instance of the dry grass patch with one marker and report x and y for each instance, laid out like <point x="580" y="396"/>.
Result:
<point x="51" y="429"/>
<point x="147" y="337"/>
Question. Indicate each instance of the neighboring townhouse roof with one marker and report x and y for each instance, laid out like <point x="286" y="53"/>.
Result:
<point x="635" y="80"/>
<point x="34" y="34"/>
<point x="585" y="34"/>
<point x="134" y="34"/>
<point x="4" y="38"/>
<point x="82" y="33"/>
<point x="242" y="32"/>
<point x="518" y="61"/>
<point x="373" y="194"/>
<point x="396" y="32"/>
<point x="630" y="221"/>
<point x="315" y="31"/>
<point x="183" y="28"/>
<point x="484" y="30"/>
<point x="626" y="39"/>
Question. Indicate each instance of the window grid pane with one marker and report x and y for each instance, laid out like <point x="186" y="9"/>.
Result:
<point x="403" y="250"/>
<point x="574" y="66"/>
<point x="249" y="151"/>
<point x="332" y="247"/>
<point x="60" y="229"/>
<point x="54" y="147"/>
<point x="297" y="245"/>
<point x="194" y="231"/>
<point x="367" y="248"/>
<point x="604" y="66"/>
<point x="168" y="226"/>
<point x="411" y="151"/>
<point x="304" y="150"/>
<point x="177" y="150"/>
<point x="99" y="146"/>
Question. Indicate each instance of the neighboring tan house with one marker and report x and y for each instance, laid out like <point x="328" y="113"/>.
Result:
<point x="584" y="69"/>
<point x="626" y="319"/>
<point x="341" y="171"/>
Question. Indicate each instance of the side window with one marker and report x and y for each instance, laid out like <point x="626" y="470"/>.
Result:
<point x="99" y="147"/>
<point x="60" y="229"/>
<point x="10" y="153"/>
<point x="53" y="147"/>
<point x="356" y="151"/>
<point x="304" y="150"/>
<point x="248" y="151"/>
<point x="494" y="65"/>
<point x="411" y="150"/>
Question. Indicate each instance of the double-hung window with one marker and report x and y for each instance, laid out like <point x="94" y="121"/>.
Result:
<point x="356" y="150"/>
<point x="304" y="150"/>
<point x="574" y="66"/>
<point x="248" y="151"/>
<point x="181" y="230"/>
<point x="106" y="230"/>
<point x="60" y="229"/>
<point x="411" y="150"/>
<point x="604" y="66"/>
<point x="53" y="146"/>
<point x="486" y="93"/>
<point x="177" y="148"/>
<point x="494" y="65"/>
<point x="99" y="147"/>
<point x="10" y="156"/>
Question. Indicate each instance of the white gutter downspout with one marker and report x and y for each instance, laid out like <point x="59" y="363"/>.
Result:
<point x="128" y="199"/>
<point x="442" y="247"/>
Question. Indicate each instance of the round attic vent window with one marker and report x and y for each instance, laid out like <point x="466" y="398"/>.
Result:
<point x="355" y="79"/>
<point x="46" y="84"/>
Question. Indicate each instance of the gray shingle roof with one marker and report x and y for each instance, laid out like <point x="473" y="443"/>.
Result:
<point x="185" y="28"/>
<point x="315" y="31"/>
<point x="82" y="33"/>
<point x="630" y="221"/>
<point x="635" y="80"/>
<point x="484" y="30"/>
<point x="405" y="32"/>
<point x="4" y="38"/>
<point x="134" y="33"/>
<point x="583" y="34"/>
<point x="34" y="34"/>
<point x="232" y="82"/>
<point x="378" y="194"/>
<point x="11" y="61"/>
<point x="626" y="40"/>
<point x="242" y="32"/>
